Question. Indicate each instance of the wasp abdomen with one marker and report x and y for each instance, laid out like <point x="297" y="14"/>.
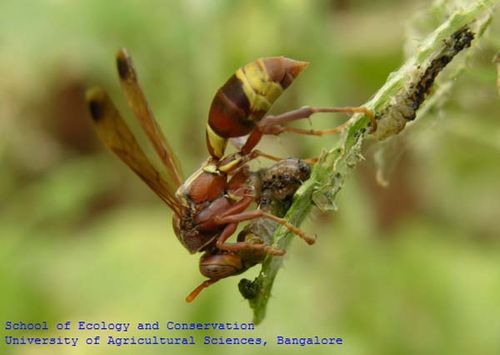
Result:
<point x="246" y="97"/>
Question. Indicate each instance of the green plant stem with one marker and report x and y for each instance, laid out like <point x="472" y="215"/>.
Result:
<point x="395" y="104"/>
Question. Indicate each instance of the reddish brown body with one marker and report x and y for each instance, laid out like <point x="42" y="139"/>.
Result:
<point x="204" y="197"/>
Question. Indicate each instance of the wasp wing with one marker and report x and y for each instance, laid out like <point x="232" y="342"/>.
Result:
<point x="139" y="105"/>
<point x="115" y="134"/>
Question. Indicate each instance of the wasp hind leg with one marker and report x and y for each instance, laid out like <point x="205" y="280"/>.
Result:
<point x="275" y="124"/>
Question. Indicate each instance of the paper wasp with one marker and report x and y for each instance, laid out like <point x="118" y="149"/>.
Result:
<point x="210" y="204"/>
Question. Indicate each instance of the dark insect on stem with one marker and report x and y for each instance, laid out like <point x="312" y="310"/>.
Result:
<point x="407" y="101"/>
<point x="278" y="186"/>
<point x="458" y="41"/>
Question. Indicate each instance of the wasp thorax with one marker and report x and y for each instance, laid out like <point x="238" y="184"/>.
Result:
<point x="206" y="186"/>
<point x="220" y="265"/>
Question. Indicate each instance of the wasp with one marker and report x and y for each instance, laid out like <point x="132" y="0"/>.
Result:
<point x="208" y="206"/>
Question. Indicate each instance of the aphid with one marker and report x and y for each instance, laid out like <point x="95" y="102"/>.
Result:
<point x="209" y="205"/>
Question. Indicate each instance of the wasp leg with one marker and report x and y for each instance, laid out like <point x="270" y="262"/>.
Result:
<point x="274" y="124"/>
<point x="231" y="225"/>
<point x="232" y="163"/>
<point x="246" y="216"/>
<point x="268" y="122"/>
<point x="208" y="219"/>
<point x="314" y="132"/>
<point x="191" y="297"/>
<point x="239" y="246"/>
<point x="258" y="153"/>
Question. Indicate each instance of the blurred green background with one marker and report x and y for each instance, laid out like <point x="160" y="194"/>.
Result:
<point x="413" y="268"/>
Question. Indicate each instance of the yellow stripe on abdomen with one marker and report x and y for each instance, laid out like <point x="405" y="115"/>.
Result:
<point x="260" y="90"/>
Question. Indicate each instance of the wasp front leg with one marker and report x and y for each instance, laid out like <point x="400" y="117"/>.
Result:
<point x="248" y="195"/>
<point x="251" y="215"/>
<point x="235" y="214"/>
<point x="242" y="246"/>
